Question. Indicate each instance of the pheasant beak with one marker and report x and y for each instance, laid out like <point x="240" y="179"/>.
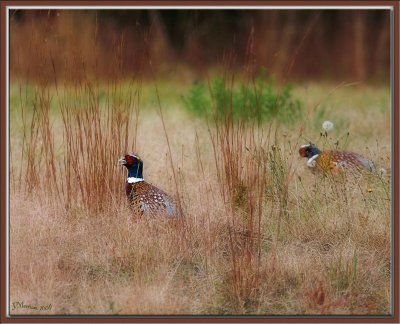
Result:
<point x="122" y="161"/>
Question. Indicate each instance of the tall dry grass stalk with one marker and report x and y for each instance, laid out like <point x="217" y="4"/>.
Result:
<point x="246" y="163"/>
<point x="91" y="133"/>
<point x="240" y="161"/>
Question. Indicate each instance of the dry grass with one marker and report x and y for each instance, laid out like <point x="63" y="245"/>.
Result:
<point x="262" y="235"/>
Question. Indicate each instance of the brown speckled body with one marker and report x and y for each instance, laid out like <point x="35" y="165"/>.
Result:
<point x="340" y="160"/>
<point x="146" y="199"/>
<point x="329" y="160"/>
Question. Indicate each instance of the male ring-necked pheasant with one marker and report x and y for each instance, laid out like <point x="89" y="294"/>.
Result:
<point x="144" y="198"/>
<point x="330" y="160"/>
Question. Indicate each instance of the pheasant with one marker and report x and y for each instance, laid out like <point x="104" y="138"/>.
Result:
<point x="329" y="160"/>
<point x="144" y="198"/>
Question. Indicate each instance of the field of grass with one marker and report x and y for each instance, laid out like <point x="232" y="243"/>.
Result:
<point x="261" y="234"/>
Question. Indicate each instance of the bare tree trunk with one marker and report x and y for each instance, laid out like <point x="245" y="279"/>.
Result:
<point x="359" y="46"/>
<point x="160" y="49"/>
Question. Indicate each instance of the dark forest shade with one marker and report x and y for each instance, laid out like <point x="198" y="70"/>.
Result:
<point x="291" y="44"/>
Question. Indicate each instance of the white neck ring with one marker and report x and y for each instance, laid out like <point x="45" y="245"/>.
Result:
<point x="311" y="161"/>
<point x="134" y="180"/>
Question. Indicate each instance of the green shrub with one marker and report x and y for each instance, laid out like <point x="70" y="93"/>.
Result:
<point x="259" y="100"/>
